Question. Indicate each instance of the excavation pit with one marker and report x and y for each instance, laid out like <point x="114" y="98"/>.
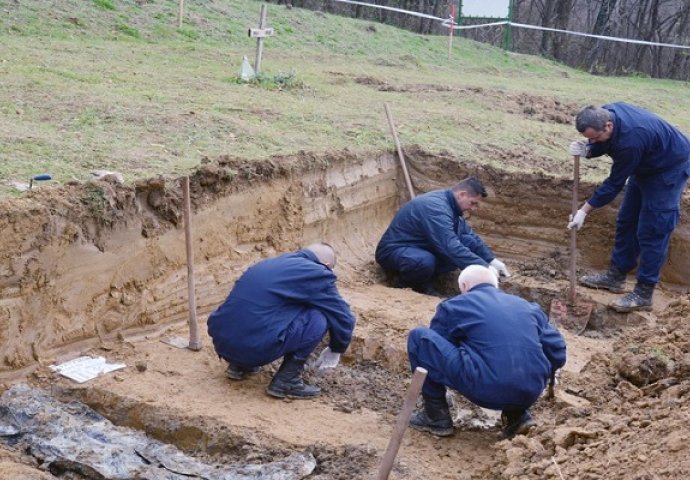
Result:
<point x="100" y="268"/>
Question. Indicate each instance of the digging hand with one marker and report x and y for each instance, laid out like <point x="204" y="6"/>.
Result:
<point x="327" y="359"/>
<point x="577" y="220"/>
<point x="579" y="148"/>
<point x="499" y="268"/>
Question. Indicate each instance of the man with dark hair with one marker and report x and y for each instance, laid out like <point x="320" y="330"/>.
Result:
<point x="497" y="350"/>
<point x="653" y="158"/>
<point x="282" y="307"/>
<point x="430" y="235"/>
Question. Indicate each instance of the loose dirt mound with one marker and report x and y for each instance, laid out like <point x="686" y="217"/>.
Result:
<point x="635" y="424"/>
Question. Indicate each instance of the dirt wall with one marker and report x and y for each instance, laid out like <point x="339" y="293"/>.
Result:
<point x="83" y="264"/>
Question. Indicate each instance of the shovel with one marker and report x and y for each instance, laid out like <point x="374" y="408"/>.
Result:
<point x="571" y="314"/>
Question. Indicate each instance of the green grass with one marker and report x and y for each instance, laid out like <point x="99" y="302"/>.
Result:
<point x="87" y="86"/>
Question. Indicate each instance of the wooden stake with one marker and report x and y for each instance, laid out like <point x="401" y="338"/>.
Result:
<point x="194" y="343"/>
<point x="573" y="231"/>
<point x="260" y="40"/>
<point x="180" y="14"/>
<point x="401" y="423"/>
<point x="401" y="157"/>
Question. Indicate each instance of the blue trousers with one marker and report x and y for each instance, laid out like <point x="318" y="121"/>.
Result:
<point x="301" y="338"/>
<point x="448" y="366"/>
<point x="647" y="217"/>
<point x="415" y="266"/>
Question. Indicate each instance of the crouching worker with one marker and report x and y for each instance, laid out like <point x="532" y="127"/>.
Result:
<point x="430" y="235"/>
<point x="283" y="307"/>
<point x="495" y="349"/>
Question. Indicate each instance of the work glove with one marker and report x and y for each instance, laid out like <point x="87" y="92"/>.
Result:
<point x="577" y="220"/>
<point x="494" y="271"/>
<point x="327" y="359"/>
<point x="499" y="268"/>
<point x="579" y="148"/>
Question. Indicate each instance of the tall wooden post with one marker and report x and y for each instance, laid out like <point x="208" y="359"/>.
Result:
<point x="260" y="40"/>
<point x="194" y="343"/>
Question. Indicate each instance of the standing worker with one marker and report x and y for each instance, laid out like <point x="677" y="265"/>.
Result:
<point x="430" y="235"/>
<point x="654" y="158"/>
<point x="283" y="307"/>
<point x="497" y="350"/>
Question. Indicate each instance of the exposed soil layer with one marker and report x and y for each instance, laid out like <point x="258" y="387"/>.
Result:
<point x="100" y="268"/>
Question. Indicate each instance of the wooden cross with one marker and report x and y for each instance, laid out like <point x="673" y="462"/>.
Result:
<point x="260" y="33"/>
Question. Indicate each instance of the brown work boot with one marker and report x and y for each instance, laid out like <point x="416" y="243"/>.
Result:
<point x="639" y="299"/>
<point x="613" y="280"/>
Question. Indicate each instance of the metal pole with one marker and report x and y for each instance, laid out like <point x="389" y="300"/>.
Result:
<point x="508" y="32"/>
<point x="401" y="157"/>
<point x="194" y="343"/>
<point x="451" y="30"/>
<point x="401" y="423"/>
<point x="573" y="231"/>
<point x="260" y="40"/>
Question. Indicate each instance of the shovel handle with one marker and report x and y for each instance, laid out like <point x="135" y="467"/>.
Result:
<point x="552" y="385"/>
<point x="573" y="231"/>
<point x="401" y="424"/>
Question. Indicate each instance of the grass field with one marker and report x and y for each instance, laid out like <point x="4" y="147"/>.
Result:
<point x="114" y="84"/>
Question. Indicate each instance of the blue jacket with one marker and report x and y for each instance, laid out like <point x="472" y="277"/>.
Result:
<point x="642" y="144"/>
<point x="434" y="222"/>
<point x="268" y="297"/>
<point x="506" y="342"/>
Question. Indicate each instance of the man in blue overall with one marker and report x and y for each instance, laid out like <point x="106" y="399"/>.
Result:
<point x="654" y="158"/>
<point x="429" y="235"/>
<point x="497" y="350"/>
<point x="283" y="307"/>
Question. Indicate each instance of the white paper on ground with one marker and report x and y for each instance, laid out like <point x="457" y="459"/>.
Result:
<point x="85" y="368"/>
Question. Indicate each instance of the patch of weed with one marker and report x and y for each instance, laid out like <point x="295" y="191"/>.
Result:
<point x="278" y="81"/>
<point x="127" y="30"/>
<point x="188" y="32"/>
<point x="104" y="4"/>
<point x="94" y="200"/>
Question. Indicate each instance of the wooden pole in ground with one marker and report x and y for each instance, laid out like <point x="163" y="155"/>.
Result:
<point x="401" y="423"/>
<point x="401" y="157"/>
<point x="180" y="14"/>
<point x="260" y="40"/>
<point x="194" y="343"/>
<point x="573" y="231"/>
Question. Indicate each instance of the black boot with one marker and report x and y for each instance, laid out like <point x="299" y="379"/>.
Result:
<point x="287" y="381"/>
<point x="639" y="299"/>
<point x="613" y="280"/>
<point x="516" y="423"/>
<point x="434" y="418"/>
<point x="235" y="372"/>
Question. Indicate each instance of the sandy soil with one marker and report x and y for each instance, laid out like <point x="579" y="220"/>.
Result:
<point x="100" y="269"/>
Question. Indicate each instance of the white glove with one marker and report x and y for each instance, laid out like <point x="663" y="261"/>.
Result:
<point x="499" y="268"/>
<point x="577" y="220"/>
<point x="327" y="359"/>
<point x="494" y="271"/>
<point x="579" y="148"/>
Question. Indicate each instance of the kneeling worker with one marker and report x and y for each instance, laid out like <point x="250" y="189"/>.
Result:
<point x="283" y="307"/>
<point x="430" y="235"/>
<point x="496" y="349"/>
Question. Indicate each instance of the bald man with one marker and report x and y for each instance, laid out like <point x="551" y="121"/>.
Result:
<point x="495" y="349"/>
<point x="283" y="307"/>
